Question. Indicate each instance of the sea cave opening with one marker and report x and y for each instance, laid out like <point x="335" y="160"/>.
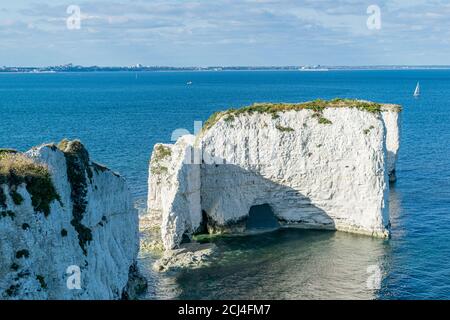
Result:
<point x="261" y="217"/>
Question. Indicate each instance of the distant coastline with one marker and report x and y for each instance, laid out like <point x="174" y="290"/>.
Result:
<point x="142" y="68"/>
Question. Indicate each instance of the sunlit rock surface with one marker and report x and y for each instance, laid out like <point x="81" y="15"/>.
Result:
<point x="88" y="224"/>
<point x="392" y="122"/>
<point x="321" y="165"/>
<point x="188" y="256"/>
<point x="174" y="193"/>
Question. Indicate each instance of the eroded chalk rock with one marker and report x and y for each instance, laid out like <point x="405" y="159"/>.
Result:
<point x="321" y="164"/>
<point x="392" y="122"/>
<point x="68" y="229"/>
<point x="188" y="256"/>
<point x="174" y="193"/>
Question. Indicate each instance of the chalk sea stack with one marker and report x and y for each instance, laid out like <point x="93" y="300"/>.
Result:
<point x="319" y="164"/>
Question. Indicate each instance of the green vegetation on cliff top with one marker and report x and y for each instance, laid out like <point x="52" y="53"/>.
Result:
<point x="17" y="169"/>
<point x="161" y="152"/>
<point x="316" y="106"/>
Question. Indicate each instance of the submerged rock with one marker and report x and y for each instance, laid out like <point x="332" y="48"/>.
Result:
<point x="321" y="164"/>
<point x="150" y="239"/>
<point x="188" y="256"/>
<point x="68" y="229"/>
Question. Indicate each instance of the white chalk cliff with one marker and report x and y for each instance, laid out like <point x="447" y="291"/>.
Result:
<point x="175" y="190"/>
<point x="60" y="213"/>
<point x="392" y="122"/>
<point x="322" y="165"/>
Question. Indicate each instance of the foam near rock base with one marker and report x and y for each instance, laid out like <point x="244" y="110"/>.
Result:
<point x="86" y="223"/>
<point x="321" y="164"/>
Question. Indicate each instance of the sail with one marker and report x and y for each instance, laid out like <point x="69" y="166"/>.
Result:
<point x="417" y="91"/>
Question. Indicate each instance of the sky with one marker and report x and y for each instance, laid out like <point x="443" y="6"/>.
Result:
<point x="225" y="32"/>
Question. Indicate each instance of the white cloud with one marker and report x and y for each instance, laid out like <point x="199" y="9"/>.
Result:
<point x="257" y="27"/>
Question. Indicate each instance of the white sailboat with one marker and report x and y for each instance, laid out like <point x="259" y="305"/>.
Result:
<point x="417" y="91"/>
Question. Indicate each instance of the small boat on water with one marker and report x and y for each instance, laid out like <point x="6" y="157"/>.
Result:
<point x="189" y="83"/>
<point x="417" y="91"/>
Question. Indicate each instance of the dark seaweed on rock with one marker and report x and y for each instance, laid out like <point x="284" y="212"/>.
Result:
<point x="78" y="170"/>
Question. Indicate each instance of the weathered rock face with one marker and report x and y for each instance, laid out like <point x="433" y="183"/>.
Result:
<point x="323" y="168"/>
<point x="174" y="193"/>
<point x="392" y="122"/>
<point x="60" y="214"/>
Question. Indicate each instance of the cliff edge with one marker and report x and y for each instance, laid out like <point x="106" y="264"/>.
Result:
<point x="67" y="227"/>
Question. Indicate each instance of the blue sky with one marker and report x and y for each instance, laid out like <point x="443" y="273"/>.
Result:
<point x="225" y="32"/>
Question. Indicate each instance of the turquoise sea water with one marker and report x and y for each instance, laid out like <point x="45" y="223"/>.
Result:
<point x="119" y="117"/>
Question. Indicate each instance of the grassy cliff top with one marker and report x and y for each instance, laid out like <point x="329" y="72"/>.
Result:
<point x="16" y="165"/>
<point x="16" y="169"/>
<point x="317" y="106"/>
<point x="19" y="166"/>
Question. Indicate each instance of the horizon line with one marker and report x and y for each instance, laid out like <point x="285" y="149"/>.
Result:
<point x="308" y="66"/>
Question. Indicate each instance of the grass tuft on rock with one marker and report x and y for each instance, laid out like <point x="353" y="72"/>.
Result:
<point x="158" y="170"/>
<point x="229" y="118"/>
<point x="323" y="120"/>
<point x="162" y="152"/>
<point x="284" y="129"/>
<point x="6" y="151"/>
<point x="17" y="169"/>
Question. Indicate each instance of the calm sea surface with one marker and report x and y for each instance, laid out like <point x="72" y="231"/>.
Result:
<point x="120" y="116"/>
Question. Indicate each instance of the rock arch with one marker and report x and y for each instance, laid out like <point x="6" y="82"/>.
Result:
<point x="321" y="166"/>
